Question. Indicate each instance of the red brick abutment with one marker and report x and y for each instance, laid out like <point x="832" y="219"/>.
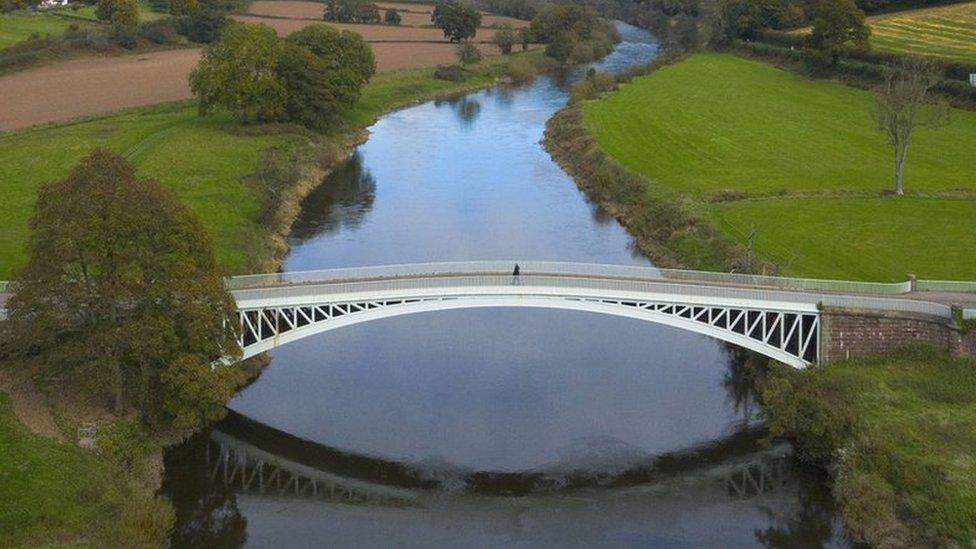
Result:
<point x="856" y="333"/>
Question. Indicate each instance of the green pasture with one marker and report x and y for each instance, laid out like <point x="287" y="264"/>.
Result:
<point x="800" y="164"/>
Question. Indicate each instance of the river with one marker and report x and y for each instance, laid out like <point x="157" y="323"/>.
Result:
<point x="489" y="427"/>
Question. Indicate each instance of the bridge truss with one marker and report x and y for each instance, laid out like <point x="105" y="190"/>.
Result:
<point x="792" y="337"/>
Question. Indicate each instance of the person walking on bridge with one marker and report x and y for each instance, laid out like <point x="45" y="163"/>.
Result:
<point x="515" y="276"/>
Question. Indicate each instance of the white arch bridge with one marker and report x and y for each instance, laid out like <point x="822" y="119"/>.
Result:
<point x="777" y="317"/>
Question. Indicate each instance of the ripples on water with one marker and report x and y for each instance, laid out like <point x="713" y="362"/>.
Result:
<point x="484" y="399"/>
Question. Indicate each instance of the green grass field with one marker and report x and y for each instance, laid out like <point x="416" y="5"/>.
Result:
<point x="197" y="157"/>
<point x="46" y="487"/>
<point x="946" y="31"/>
<point x="19" y="25"/>
<point x="716" y="124"/>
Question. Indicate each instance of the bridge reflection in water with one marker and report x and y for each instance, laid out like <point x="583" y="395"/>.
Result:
<point x="244" y="463"/>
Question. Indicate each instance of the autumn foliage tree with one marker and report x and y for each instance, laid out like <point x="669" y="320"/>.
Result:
<point x="121" y="295"/>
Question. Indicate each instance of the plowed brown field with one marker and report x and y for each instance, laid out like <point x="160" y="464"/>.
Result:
<point x="412" y="15"/>
<point x="84" y="87"/>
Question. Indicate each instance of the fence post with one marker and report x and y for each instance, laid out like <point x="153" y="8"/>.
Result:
<point x="912" y="282"/>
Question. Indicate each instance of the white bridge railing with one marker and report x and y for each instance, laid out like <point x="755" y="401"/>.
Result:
<point x="576" y="269"/>
<point x="589" y="277"/>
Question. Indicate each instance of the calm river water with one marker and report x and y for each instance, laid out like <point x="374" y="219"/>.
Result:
<point x="523" y="427"/>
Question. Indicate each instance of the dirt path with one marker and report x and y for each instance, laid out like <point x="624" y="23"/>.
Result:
<point x="29" y="404"/>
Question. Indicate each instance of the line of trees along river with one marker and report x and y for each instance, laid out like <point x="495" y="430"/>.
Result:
<point x="470" y="404"/>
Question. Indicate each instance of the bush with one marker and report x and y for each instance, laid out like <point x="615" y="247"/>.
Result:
<point x="392" y="17"/>
<point x="561" y="48"/>
<point x="520" y="70"/>
<point x="162" y="31"/>
<point x="592" y="87"/>
<point x="504" y="38"/>
<point x="183" y="7"/>
<point x="351" y="11"/>
<point x="203" y="26"/>
<point x="145" y="521"/>
<point x="126" y="444"/>
<point x="454" y="73"/>
<point x="118" y="12"/>
<point x="467" y="53"/>
<point x="126" y="36"/>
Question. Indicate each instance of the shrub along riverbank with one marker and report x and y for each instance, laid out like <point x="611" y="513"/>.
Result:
<point x="897" y="433"/>
<point x="718" y="162"/>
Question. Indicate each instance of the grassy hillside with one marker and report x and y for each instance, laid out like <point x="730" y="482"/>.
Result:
<point x="19" y="25"/>
<point x="946" y="31"/>
<point x="194" y="156"/>
<point x="802" y="163"/>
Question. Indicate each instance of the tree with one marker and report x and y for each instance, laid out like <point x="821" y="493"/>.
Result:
<point x="458" y="21"/>
<point x="202" y="26"/>
<point x="556" y="20"/>
<point x="561" y="47"/>
<point x="905" y="102"/>
<point x="392" y="17"/>
<point x="346" y="56"/>
<point x="836" y="23"/>
<point x="525" y="37"/>
<point x="504" y="38"/>
<point x="122" y="295"/>
<point x="118" y="12"/>
<point x="468" y="53"/>
<point x="238" y="73"/>
<point x="183" y="7"/>
<point x="310" y="97"/>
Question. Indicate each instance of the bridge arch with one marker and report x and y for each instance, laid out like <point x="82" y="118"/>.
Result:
<point x="789" y="335"/>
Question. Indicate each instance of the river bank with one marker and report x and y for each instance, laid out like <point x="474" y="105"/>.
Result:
<point x="890" y="477"/>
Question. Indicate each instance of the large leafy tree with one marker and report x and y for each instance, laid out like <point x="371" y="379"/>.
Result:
<point x="458" y="21"/>
<point x="121" y="294"/>
<point x="238" y="73"/>
<point x="344" y="55"/>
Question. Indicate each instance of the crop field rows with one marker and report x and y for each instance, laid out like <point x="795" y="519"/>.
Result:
<point x="948" y="31"/>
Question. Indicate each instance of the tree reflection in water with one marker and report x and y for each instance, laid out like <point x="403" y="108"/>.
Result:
<point x="342" y="202"/>
<point x="814" y="524"/>
<point x="206" y="512"/>
<point x="466" y="106"/>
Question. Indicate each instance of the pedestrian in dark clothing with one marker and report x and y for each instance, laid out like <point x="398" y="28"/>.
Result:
<point x="515" y="275"/>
